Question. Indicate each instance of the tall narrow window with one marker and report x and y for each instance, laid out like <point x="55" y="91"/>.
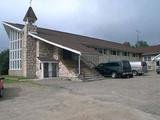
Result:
<point x="15" y="49"/>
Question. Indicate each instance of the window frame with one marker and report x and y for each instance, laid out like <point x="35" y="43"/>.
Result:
<point x="15" y="50"/>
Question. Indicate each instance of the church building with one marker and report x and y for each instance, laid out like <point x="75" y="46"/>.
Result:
<point x="37" y="52"/>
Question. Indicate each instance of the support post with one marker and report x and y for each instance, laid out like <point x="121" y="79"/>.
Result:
<point x="79" y="64"/>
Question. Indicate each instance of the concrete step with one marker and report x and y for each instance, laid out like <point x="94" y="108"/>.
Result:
<point x="93" y="78"/>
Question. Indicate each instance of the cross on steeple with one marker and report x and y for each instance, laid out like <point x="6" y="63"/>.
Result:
<point x="30" y="2"/>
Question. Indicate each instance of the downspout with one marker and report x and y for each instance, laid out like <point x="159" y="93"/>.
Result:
<point x="79" y="65"/>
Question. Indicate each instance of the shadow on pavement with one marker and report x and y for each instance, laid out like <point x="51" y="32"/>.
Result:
<point x="10" y="93"/>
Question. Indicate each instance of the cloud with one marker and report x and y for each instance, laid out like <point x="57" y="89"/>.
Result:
<point x="115" y="20"/>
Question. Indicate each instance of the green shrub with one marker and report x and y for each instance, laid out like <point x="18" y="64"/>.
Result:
<point x="4" y="62"/>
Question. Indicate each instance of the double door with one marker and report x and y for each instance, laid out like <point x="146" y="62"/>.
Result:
<point x="50" y="70"/>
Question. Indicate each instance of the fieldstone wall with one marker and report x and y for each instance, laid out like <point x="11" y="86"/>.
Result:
<point x="31" y="57"/>
<point x="49" y="51"/>
<point x="66" y="72"/>
<point x="29" y="53"/>
<point x="45" y="50"/>
<point x="16" y="73"/>
<point x="63" y="71"/>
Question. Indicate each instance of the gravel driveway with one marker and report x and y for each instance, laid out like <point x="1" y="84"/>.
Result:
<point x="111" y="99"/>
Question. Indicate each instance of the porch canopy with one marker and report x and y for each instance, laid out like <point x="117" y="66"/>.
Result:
<point x="44" y="59"/>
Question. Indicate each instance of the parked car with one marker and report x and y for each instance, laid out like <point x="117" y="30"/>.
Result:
<point x="138" y="68"/>
<point x="1" y="86"/>
<point x="158" y="67"/>
<point x="115" y="69"/>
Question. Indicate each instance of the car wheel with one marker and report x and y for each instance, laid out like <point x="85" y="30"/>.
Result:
<point x="158" y="72"/>
<point x="1" y="92"/>
<point x="131" y="76"/>
<point x="114" y="75"/>
<point x="135" y="73"/>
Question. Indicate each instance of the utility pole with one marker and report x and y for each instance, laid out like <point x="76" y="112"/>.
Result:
<point x="138" y="35"/>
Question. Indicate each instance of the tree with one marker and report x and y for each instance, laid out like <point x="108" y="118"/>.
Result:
<point x="141" y="44"/>
<point x="4" y="62"/>
<point x="127" y="44"/>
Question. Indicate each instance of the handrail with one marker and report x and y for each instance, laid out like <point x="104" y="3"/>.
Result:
<point x="88" y="62"/>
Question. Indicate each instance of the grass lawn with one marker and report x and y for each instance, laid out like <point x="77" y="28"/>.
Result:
<point x="13" y="79"/>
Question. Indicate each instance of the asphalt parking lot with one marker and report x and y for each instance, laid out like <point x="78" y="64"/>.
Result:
<point x="137" y="98"/>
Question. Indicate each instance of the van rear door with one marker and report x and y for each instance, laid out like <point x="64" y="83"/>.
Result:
<point x="144" y="67"/>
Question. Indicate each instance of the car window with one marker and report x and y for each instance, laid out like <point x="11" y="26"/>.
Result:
<point x="107" y="64"/>
<point x="114" y="64"/>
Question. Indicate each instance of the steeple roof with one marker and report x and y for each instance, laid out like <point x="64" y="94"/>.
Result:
<point x="30" y="16"/>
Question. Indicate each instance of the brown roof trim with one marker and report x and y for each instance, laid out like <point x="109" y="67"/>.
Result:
<point x="151" y="50"/>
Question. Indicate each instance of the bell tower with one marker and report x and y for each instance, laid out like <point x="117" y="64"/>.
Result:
<point x="29" y="19"/>
<point x="29" y="44"/>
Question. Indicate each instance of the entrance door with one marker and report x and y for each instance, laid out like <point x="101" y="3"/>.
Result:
<point x="46" y="72"/>
<point x="50" y="70"/>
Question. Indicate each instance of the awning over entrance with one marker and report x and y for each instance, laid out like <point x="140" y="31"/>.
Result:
<point x="44" y="59"/>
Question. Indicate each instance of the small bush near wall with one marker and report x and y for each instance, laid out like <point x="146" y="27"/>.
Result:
<point x="4" y="62"/>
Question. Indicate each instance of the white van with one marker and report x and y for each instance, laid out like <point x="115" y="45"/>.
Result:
<point x="138" y="67"/>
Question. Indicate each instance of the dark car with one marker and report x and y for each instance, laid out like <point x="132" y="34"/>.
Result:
<point x="1" y="86"/>
<point x="115" y="69"/>
<point x="158" y="70"/>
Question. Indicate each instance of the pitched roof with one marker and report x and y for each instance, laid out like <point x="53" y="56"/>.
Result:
<point x="78" y="42"/>
<point x="151" y="50"/>
<point x="30" y="16"/>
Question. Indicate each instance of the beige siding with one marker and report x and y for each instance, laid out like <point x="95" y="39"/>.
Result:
<point x="106" y="58"/>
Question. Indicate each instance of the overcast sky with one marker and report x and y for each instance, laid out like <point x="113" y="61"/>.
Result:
<point x="114" y="20"/>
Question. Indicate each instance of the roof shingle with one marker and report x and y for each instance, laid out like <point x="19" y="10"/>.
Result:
<point x="79" y="42"/>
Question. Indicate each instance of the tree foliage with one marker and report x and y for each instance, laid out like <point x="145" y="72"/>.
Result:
<point x="4" y="62"/>
<point x="141" y="44"/>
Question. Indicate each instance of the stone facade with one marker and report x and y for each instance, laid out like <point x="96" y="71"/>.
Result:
<point x="45" y="50"/>
<point x="63" y="70"/>
<point x="49" y="51"/>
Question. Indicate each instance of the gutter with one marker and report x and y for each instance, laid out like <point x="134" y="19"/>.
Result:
<point x="55" y="44"/>
<point x="18" y="29"/>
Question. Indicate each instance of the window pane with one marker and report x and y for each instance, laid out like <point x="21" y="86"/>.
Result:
<point x="149" y="58"/>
